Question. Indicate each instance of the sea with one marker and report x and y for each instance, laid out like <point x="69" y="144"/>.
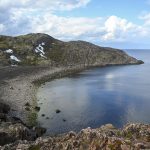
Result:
<point x="104" y="95"/>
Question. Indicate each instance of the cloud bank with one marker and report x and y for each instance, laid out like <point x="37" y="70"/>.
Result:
<point x="26" y="16"/>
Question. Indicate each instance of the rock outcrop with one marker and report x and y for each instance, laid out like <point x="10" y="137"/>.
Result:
<point x="13" y="129"/>
<point x="15" y="135"/>
<point x="132" y="136"/>
<point x="4" y="108"/>
<point x="42" y="49"/>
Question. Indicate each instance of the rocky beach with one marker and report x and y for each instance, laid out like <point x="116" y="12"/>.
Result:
<point x="24" y="137"/>
<point x="39" y="58"/>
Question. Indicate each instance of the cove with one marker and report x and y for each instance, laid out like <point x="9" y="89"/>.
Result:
<point x="114" y="94"/>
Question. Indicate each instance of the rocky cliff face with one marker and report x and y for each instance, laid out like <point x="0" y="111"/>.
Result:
<point x="42" y="49"/>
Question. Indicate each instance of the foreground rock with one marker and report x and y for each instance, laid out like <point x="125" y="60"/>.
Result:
<point x="10" y="133"/>
<point x="4" y="108"/>
<point x="132" y="136"/>
<point x="13" y="129"/>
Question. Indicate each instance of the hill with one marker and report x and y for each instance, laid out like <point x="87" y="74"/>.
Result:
<point x="42" y="49"/>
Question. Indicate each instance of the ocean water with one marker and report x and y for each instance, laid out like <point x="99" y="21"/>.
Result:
<point x="115" y="94"/>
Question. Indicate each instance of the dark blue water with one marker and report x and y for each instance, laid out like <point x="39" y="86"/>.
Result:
<point x="116" y="95"/>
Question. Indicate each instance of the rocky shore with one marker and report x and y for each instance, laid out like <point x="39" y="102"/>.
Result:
<point x="107" y="137"/>
<point x="38" y="58"/>
<point x="15" y="135"/>
<point x="18" y="87"/>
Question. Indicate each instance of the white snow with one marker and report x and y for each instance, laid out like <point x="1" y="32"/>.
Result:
<point x="43" y="43"/>
<point x="40" y="49"/>
<point x="14" y="65"/>
<point x="42" y="55"/>
<point x="12" y="57"/>
<point x="9" y="51"/>
<point x="36" y="51"/>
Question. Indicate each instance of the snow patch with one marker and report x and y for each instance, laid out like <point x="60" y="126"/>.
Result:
<point x="42" y="55"/>
<point x="43" y="43"/>
<point x="14" y="60"/>
<point x="40" y="50"/>
<point x="14" y="65"/>
<point x="12" y="57"/>
<point x="9" y="51"/>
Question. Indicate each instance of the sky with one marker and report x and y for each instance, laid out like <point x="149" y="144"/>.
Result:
<point x="121" y="24"/>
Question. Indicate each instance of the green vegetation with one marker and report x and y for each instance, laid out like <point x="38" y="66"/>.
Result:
<point x="128" y="135"/>
<point x="32" y="118"/>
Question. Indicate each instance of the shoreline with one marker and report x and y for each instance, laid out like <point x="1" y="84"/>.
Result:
<point x="20" y="88"/>
<point x="134" y="136"/>
<point x="21" y="85"/>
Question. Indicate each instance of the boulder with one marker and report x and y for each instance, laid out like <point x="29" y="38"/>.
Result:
<point x="4" y="108"/>
<point x="10" y="133"/>
<point x="39" y="131"/>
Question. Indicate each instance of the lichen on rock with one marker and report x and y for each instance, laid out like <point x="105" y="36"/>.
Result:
<point x="92" y="139"/>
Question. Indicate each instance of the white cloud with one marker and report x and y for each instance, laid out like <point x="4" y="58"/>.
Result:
<point x="120" y="29"/>
<point x="17" y="15"/>
<point x="46" y="4"/>
<point x="26" y="16"/>
<point x="2" y="28"/>
<point x="146" y="25"/>
<point x="146" y="18"/>
<point x="111" y="28"/>
<point x="67" y="28"/>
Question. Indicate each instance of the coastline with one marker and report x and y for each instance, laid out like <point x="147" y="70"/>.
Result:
<point x="18" y="85"/>
<point x="19" y="89"/>
<point x="107" y="137"/>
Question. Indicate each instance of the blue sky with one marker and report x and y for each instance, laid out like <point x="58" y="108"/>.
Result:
<point x="129" y="9"/>
<point x="115" y="23"/>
